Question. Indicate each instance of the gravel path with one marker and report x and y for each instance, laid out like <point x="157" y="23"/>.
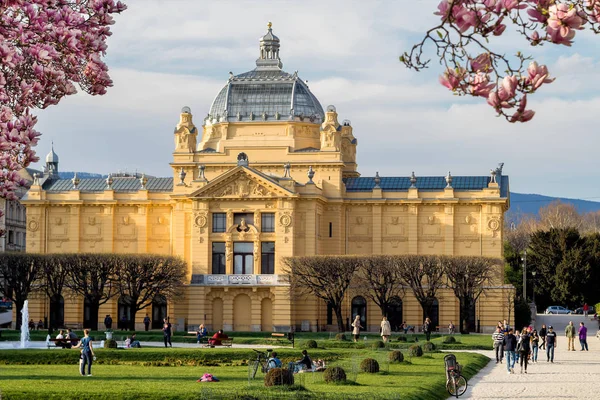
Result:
<point x="573" y="375"/>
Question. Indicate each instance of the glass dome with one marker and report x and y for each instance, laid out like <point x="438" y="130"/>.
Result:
<point x="267" y="93"/>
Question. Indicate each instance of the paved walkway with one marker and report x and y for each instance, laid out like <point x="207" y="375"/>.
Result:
<point x="573" y="375"/>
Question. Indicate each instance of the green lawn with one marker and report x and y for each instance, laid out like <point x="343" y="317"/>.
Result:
<point x="172" y="374"/>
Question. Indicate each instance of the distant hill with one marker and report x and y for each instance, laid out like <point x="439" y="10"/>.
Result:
<point x="521" y="203"/>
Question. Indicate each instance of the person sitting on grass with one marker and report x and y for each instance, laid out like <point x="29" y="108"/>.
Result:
<point x="217" y="338"/>
<point x="273" y="361"/>
<point x="319" y="365"/>
<point x="133" y="342"/>
<point x="305" y="363"/>
<point x="202" y="332"/>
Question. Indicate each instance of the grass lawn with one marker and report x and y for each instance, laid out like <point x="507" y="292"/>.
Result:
<point x="127" y="374"/>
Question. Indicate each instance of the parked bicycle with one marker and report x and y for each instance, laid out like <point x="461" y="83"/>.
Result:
<point x="456" y="384"/>
<point x="262" y="362"/>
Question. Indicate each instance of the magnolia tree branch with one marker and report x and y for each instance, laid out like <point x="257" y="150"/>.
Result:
<point x="46" y="48"/>
<point x="471" y="68"/>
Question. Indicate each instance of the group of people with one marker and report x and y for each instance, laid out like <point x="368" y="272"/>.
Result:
<point x="70" y="337"/>
<point x="305" y="364"/>
<point x="520" y="347"/>
<point x="123" y="323"/>
<point x="32" y="326"/>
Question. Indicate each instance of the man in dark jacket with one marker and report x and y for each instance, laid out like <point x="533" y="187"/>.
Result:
<point x="510" y="346"/>
<point x="550" y="344"/>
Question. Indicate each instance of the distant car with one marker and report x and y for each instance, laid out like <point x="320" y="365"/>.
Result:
<point x="557" y="310"/>
<point x="591" y="310"/>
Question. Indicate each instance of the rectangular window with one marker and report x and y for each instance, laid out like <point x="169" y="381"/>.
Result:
<point x="219" y="222"/>
<point x="218" y="258"/>
<point x="267" y="258"/>
<point x="11" y="237"/>
<point x="268" y="222"/>
<point x="330" y="229"/>
<point x="329" y="314"/>
<point x="243" y="258"/>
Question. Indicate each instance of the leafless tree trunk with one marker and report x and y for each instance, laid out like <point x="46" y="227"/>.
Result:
<point x="380" y="280"/>
<point x="326" y="277"/>
<point x="19" y="272"/>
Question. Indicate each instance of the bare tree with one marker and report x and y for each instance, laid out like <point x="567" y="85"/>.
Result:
<point x="141" y="278"/>
<point x="559" y="215"/>
<point x="468" y="276"/>
<point x="380" y="280"/>
<point x="53" y="277"/>
<point x="19" y="272"/>
<point x="518" y="235"/>
<point x="424" y="275"/>
<point x="91" y="276"/>
<point x="326" y="277"/>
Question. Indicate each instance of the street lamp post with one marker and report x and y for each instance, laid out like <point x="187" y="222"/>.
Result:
<point x="533" y="273"/>
<point x="524" y="259"/>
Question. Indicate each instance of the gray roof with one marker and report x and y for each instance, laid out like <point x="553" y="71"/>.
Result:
<point x="424" y="183"/>
<point x="120" y="184"/>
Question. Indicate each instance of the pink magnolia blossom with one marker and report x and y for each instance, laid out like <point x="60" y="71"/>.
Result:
<point x="537" y="75"/>
<point x="562" y="23"/>
<point x="479" y="84"/>
<point x="452" y="78"/>
<point x="481" y="63"/>
<point x="46" y="48"/>
<point x="522" y="115"/>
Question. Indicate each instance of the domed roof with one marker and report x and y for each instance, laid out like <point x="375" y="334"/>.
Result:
<point x="267" y="93"/>
<point x="52" y="157"/>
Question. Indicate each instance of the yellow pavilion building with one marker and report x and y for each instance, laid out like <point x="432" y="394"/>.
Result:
<point x="269" y="174"/>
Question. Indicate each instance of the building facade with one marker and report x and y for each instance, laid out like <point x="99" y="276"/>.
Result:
<point x="269" y="174"/>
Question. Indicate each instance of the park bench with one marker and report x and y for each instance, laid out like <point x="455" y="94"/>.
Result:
<point x="282" y="338"/>
<point x="64" y="343"/>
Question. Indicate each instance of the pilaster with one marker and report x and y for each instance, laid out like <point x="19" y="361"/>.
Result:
<point x="377" y="216"/>
<point x="228" y="312"/>
<point x="75" y="228"/>
<point x="413" y="228"/>
<point x="109" y="228"/>
<point x="449" y="229"/>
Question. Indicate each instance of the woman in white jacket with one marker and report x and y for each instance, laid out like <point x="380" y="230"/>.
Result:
<point x="386" y="330"/>
<point x="356" y="328"/>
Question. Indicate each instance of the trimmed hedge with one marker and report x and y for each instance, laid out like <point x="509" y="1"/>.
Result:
<point x="402" y="338"/>
<point x="449" y="340"/>
<point x="110" y="344"/>
<point x="340" y="336"/>
<point x="415" y="350"/>
<point x="396" y="356"/>
<point x="378" y="345"/>
<point x="369" y="365"/>
<point x="334" y="374"/>
<point x="311" y="344"/>
<point x="428" y="347"/>
<point x="279" y="377"/>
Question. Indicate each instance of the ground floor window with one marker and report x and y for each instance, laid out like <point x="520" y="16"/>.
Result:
<point x="159" y="311"/>
<point x="218" y="258"/>
<point x="243" y="258"/>
<point x="434" y="314"/>
<point x="394" y="313"/>
<point x="359" y="307"/>
<point x="267" y="258"/>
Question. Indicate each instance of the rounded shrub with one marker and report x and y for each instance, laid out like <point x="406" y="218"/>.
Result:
<point x="311" y="344"/>
<point x="334" y="374"/>
<point x="340" y="336"/>
<point x="402" y="338"/>
<point x="415" y="350"/>
<point x="279" y="377"/>
<point x="369" y="365"/>
<point x="396" y="356"/>
<point x="110" y="344"/>
<point x="449" y="340"/>
<point x="378" y="345"/>
<point x="428" y="346"/>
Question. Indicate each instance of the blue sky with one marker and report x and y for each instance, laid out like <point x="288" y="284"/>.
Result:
<point x="168" y="54"/>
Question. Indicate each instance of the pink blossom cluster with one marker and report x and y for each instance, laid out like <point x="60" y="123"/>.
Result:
<point x="46" y="48"/>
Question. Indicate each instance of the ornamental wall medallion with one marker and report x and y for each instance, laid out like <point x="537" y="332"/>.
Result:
<point x="33" y="225"/>
<point x="200" y="220"/>
<point x="285" y="220"/>
<point x="494" y="224"/>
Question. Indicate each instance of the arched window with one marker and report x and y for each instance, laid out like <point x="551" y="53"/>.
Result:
<point x="394" y="313"/>
<point x="159" y="311"/>
<point x="359" y="307"/>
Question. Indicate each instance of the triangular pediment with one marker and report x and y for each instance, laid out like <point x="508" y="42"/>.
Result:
<point x="242" y="182"/>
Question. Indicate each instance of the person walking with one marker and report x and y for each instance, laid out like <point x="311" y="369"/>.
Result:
<point x="583" y="337"/>
<point x="510" y="345"/>
<point x="146" y="322"/>
<point x="550" y="344"/>
<point x="167" y="332"/>
<point x="543" y="332"/>
<point x="524" y="348"/>
<point x="535" y="343"/>
<point x="586" y="308"/>
<point x="427" y="328"/>
<point x="356" y="326"/>
<point x="570" y="334"/>
<point x="451" y="328"/>
<point x="87" y="353"/>
<point x="386" y="330"/>
<point x="517" y="353"/>
<point x="498" y="343"/>
<point x="108" y="322"/>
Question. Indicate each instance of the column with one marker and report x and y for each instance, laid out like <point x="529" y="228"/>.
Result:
<point x="449" y="229"/>
<point x="227" y="311"/>
<point x="74" y="232"/>
<point x="413" y="228"/>
<point x="109" y="228"/>
<point x="377" y="215"/>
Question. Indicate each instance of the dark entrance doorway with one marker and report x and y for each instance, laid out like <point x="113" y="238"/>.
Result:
<point x="57" y="311"/>
<point x="394" y="313"/>
<point x="124" y="313"/>
<point x="87" y="313"/>
<point x="159" y="312"/>
<point x="434" y="315"/>
<point x="359" y="307"/>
